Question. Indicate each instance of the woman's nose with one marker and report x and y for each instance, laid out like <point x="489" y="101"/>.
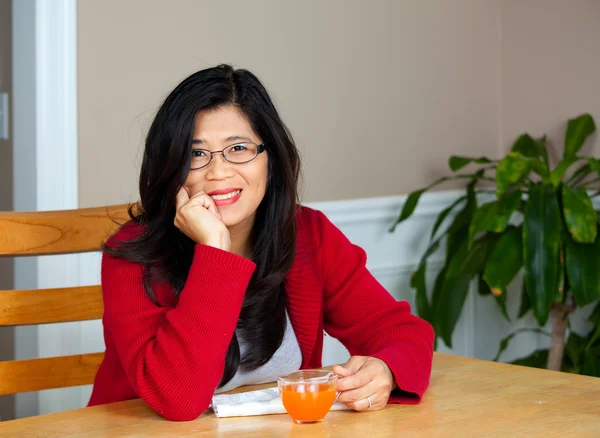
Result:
<point x="219" y="167"/>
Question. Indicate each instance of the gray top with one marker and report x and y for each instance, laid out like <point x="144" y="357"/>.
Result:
<point x="287" y="359"/>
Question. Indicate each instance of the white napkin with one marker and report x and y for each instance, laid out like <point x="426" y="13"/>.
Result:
<point x="260" y="402"/>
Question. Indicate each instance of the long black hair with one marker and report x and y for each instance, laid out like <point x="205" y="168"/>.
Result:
<point x="166" y="253"/>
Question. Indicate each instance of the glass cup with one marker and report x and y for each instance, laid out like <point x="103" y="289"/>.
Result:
<point x="307" y="395"/>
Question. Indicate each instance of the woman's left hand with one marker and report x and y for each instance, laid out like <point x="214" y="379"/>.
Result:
<point x="364" y="378"/>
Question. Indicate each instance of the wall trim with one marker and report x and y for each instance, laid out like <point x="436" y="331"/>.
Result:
<point x="56" y="44"/>
<point x="385" y="208"/>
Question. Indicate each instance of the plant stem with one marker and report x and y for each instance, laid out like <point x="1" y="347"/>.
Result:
<point x="560" y="315"/>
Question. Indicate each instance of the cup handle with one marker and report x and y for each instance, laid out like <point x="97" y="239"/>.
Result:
<point x="337" y="394"/>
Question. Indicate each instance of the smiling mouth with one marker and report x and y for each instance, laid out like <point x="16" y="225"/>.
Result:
<point x="226" y="196"/>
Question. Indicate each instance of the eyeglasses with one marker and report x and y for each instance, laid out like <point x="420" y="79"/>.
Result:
<point x="238" y="153"/>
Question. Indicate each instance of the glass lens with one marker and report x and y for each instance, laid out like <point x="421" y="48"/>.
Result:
<point x="240" y="153"/>
<point x="200" y="158"/>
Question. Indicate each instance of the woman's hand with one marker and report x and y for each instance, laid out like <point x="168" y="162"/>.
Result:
<point x="198" y="218"/>
<point x="363" y="377"/>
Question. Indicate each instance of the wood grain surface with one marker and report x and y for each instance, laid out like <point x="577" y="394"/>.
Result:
<point x="58" y="232"/>
<point x="40" y="306"/>
<point x="53" y="232"/>
<point x="467" y="398"/>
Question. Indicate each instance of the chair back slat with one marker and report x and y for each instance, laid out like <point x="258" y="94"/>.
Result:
<point x="42" y="306"/>
<point x="58" y="232"/>
<point x="18" y="376"/>
<point x="53" y="232"/>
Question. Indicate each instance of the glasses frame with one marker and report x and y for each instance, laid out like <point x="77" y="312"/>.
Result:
<point x="260" y="148"/>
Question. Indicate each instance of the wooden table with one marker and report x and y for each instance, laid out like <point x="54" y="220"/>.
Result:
<point x="467" y="398"/>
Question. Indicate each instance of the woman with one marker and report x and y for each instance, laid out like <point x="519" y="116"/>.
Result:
<point x="221" y="278"/>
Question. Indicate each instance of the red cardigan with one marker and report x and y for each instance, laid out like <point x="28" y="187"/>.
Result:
<point x="173" y="356"/>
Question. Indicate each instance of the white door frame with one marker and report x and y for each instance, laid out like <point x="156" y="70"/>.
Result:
<point x="45" y="160"/>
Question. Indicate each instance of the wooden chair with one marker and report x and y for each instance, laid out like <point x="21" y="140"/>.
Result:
<point x="42" y="233"/>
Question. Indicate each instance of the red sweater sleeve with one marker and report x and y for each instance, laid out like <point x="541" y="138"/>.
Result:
<point x="174" y="357"/>
<point x="368" y="320"/>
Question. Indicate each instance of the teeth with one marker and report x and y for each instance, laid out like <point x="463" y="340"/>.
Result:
<point x="226" y="196"/>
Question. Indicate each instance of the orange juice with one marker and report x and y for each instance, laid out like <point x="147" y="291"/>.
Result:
<point x="308" y="402"/>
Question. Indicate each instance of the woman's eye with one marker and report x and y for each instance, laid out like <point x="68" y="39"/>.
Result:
<point x="198" y="153"/>
<point x="239" y="147"/>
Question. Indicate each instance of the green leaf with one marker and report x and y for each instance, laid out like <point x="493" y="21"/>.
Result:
<point x="525" y="304"/>
<point x="458" y="229"/>
<point x="559" y="171"/>
<point x="479" y="254"/>
<point x="541" y="232"/>
<point x="574" y="348"/>
<point x="451" y="301"/>
<point x="413" y="199"/>
<point x="484" y="215"/>
<point x="433" y="246"/>
<point x="591" y="364"/>
<point x="418" y="282"/>
<point x="462" y="267"/>
<point x="457" y="234"/>
<point x="562" y="279"/>
<point x="482" y="287"/>
<point x="442" y="216"/>
<point x="525" y="145"/>
<point x="543" y="151"/>
<point x="535" y="150"/>
<point x="583" y="270"/>
<point x="452" y="296"/>
<point x="512" y="169"/>
<point x="594" y="318"/>
<point x="409" y="207"/>
<point x="504" y="342"/>
<point x="494" y="216"/>
<point x="457" y="162"/>
<point x="594" y="164"/>
<point x="501" y="302"/>
<point x="579" y="213"/>
<point x="537" y="359"/>
<point x="437" y="288"/>
<point x="594" y="338"/>
<point x="505" y="261"/>
<point x="578" y="129"/>
<point x="435" y="299"/>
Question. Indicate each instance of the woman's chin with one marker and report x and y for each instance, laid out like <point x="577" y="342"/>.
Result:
<point x="230" y="220"/>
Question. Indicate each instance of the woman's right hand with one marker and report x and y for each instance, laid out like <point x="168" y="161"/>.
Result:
<point x="199" y="219"/>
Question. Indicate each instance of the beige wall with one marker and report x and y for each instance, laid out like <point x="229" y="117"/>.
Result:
<point x="550" y="67"/>
<point x="377" y="94"/>
<point x="6" y="190"/>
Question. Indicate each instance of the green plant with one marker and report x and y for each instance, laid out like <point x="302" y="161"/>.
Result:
<point x="538" y="219"/>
